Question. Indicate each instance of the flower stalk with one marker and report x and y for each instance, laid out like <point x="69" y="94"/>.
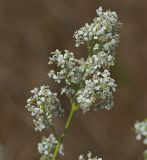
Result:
<point x="73" y="109"/>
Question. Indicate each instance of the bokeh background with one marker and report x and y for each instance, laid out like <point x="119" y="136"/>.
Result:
<point x="29" y="30"/>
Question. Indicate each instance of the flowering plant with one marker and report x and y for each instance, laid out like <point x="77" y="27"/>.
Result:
<point x="87" y="82"/>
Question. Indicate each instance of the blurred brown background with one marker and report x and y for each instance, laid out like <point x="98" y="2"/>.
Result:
<point x="29" y="30"/>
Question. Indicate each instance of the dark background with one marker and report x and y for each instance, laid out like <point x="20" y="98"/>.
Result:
<point x="29" y="30"/>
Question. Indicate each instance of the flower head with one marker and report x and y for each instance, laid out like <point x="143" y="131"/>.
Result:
<point x="43" y="105"/>
<point x="97" y="90"/>
<point x="101" y="34"/>
<point x="47" y="147"/>
<point x="69" y="67"/>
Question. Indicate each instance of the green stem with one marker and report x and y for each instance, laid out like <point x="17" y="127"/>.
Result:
<point x="73" y="109"/>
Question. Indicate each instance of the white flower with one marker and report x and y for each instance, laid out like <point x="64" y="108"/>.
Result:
<point x="48" y="145"/>
<point x="141" y="130"/>
<point x="43" y="105"/>
<point x="103" y="31"/>
<point x="69" y="67"/>
<point x="88" y="81"/>
<point x="89" y="157"/>
<point x="100" y="89"/>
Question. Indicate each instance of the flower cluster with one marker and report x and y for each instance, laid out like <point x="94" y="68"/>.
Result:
<point x="100" y="87"/>
<point x="98" y="61"/>
<point x="47" y="147"/>
<point x="88" y="81"/>
<point x="102" y="34"/>
<point x="43" y="105"/>
<point x="69" y="67"/>
<point x="89" y="156"/>
<point x="141" y="130"/>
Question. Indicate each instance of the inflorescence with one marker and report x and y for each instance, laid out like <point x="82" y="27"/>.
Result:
<point x="87" y="82"/>
<point x="44" y="106"/>
<point x="47" y="147"/>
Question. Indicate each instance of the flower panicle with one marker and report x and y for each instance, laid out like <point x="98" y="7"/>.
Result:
<point x="102" y="34"/>
<point x="88" y="81"/>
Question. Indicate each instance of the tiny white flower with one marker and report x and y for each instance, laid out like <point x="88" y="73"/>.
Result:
<point x="48" y="145"/>
<point x="43" y="113"/>
<point x="89" y="157"/>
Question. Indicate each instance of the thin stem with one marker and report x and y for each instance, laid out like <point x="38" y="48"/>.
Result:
<point x="73" y="109"/>
<point x="54" y="132"/>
